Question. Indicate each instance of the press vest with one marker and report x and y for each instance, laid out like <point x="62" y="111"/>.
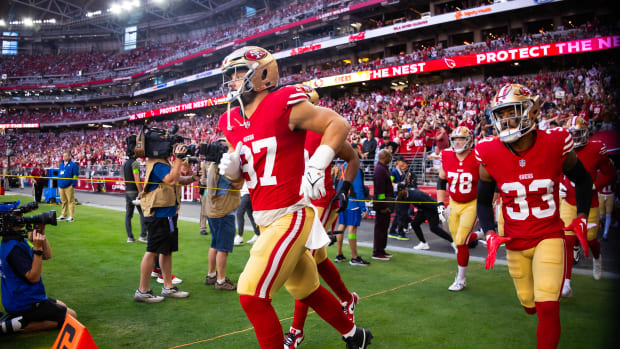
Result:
<point x="163" y="196"/>
<point x="17" y="293"/>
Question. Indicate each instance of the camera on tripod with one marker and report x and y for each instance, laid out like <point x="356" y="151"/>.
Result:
<point x="12" y="218"/>
<point x="158" y="143"/>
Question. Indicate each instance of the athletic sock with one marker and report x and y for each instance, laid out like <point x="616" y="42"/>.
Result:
<point x="461" y="273"/>
<point x="265" y="321"/>
<point x="595" y="247"/>
<point x="549" y="328"/>
<point x="299" y="317"/>
<point x="569" y="243"/>
<point x="331" y="275"/>
<point x="329" y="309"/>
<point x="462" y="255"/>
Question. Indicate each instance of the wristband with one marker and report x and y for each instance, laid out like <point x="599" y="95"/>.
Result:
<point x="38" y="252"/>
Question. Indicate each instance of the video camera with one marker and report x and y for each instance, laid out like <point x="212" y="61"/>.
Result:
<point x="157" y="143"/>
<point x="12" y="219"/>
<point x="213" y="151"/>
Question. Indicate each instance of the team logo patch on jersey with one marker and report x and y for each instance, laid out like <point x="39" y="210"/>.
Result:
<point x="522" y="163"/>
<point x="255" y="55"/>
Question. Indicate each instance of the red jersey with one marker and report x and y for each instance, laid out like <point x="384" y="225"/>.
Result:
<point x="462" y="176"/>
<point x="313" y="140"/>
<point x="528" y="185"/>
<point x="272" y="155"/>
<point x="593" y="156"/>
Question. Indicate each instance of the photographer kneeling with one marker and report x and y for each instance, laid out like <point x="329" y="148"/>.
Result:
<point x="23" y="294"/>
<point x="160" y="204"/>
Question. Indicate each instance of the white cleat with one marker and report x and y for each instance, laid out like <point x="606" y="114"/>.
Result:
<point x="421" y="246"/>
<point x="597" y="267"/>
<point x="238" y="240"/>
<point x="567" y="292"/>
<point x="253" y="239"/>
<point x="458" y="285"/>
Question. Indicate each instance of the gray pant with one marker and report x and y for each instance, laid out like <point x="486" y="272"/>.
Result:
<point x="129" y="206"/>
<point x="245" y="206"/>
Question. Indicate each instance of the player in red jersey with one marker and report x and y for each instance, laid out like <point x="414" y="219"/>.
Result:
<point x="527" y="166"/>
<point x="593" y="156"/>
<point x="327" y="208"/>
<point x="269" y="131"/>
<point x="459" y="173"/>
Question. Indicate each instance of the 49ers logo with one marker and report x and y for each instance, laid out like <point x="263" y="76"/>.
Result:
<point x="255" y="54"/>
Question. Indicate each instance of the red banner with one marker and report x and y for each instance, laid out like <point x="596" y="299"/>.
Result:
<point x="209" y="102"/>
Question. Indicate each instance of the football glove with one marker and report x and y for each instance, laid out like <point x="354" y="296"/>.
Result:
<point x="230" y="164"/>
<point x="342" y="196"/>
<point x="441" y="210"/>
<point x="313" y="180"/>
<point x="493" y="243"/>
<point x="579" y="225"/>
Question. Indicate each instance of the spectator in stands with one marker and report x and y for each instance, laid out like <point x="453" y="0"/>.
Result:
<point x="67" y="173"/>
<point x="370" y="146"/>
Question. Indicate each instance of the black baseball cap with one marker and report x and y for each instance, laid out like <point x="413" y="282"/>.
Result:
<point x="400" y="187"/>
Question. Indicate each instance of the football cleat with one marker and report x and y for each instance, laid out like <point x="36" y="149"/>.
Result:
<point x="597" y="267"/>
<point x="175" y="280"/>
<point x="360" y="340"/>
<point x="457" y="285"/>
<point x="349" y="307"/>
<point x="293" y="338"/>
<point x="567" y="291"/>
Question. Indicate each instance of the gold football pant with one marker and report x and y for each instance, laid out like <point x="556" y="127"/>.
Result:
<point x="461" y="220"/>
<point x="280" y="257"/>
<point x="538" y="272"/>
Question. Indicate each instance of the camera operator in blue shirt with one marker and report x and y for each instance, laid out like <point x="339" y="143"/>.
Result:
<point x="28" y="307"/>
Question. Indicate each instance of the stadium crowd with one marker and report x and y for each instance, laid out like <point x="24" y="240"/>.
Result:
<point x="84" y="66"/>
<point x="415" y="118"/>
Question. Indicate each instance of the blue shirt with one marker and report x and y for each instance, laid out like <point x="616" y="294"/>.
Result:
<point x="66" y="173"/>
<point x="157" y="176"/>
<point x="18" y="293"/>
<point x="357" y="192"/>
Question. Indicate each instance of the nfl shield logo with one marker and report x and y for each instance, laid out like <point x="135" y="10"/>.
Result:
<point x="522" y="163"/>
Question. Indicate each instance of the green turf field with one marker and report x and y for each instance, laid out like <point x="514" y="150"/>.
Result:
<point x="405" y="302"/>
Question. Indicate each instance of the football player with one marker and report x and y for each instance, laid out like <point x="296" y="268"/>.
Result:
<point x="268" y="129"/>
<point x="459" y="173"/>
<point x="593" y="156"/>
<point x="327" y="208"/>
<point x="527" y="165"/>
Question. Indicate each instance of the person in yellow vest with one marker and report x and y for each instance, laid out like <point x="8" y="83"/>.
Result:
<point x="160" y="201"/>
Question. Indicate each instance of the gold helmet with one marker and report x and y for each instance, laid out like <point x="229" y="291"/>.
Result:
<point x="313" y="96"/>
<point x="578" y="128"/>
<point x="261" y="67"/>
<point x="526" y="107"/>
<point x="461" y="132"/>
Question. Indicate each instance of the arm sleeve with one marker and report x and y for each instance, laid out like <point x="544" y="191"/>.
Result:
<point x="484" y="205"/>
<point x="583" y="187"/>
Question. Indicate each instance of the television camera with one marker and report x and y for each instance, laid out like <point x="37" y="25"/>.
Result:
<point x="13" y="222"/>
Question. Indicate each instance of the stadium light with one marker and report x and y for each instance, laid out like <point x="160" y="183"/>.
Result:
<point x="2" y="23"/>
<point x="28" y="22"/>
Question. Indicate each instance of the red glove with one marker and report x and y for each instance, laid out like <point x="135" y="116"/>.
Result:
<point x="493" y="243"/>
<point x="579" y="225"/>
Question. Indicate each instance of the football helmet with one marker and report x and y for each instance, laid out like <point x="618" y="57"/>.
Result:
<point x="261" y="67"/>
<point x="578" y="128"/>
<point x="461" y="132"/>
<point x="526" y="107"/>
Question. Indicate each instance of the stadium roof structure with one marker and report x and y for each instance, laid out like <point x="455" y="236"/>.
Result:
<point x="75" y="17"/>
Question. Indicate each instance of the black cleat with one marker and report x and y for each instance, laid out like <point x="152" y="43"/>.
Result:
<point x="360" y="340"/>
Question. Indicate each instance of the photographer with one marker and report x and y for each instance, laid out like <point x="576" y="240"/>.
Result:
<point x="222" y="199"/>
<point x="160" y="203"/>
<point x="133" y="186"/>
<point x="23" y="294"/>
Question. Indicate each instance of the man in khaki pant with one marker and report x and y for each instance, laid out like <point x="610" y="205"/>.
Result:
<point x="67" y="180"/>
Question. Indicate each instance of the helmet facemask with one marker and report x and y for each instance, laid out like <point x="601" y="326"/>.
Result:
<point x="233" y="74"/>
<point x="465" y="147"/>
